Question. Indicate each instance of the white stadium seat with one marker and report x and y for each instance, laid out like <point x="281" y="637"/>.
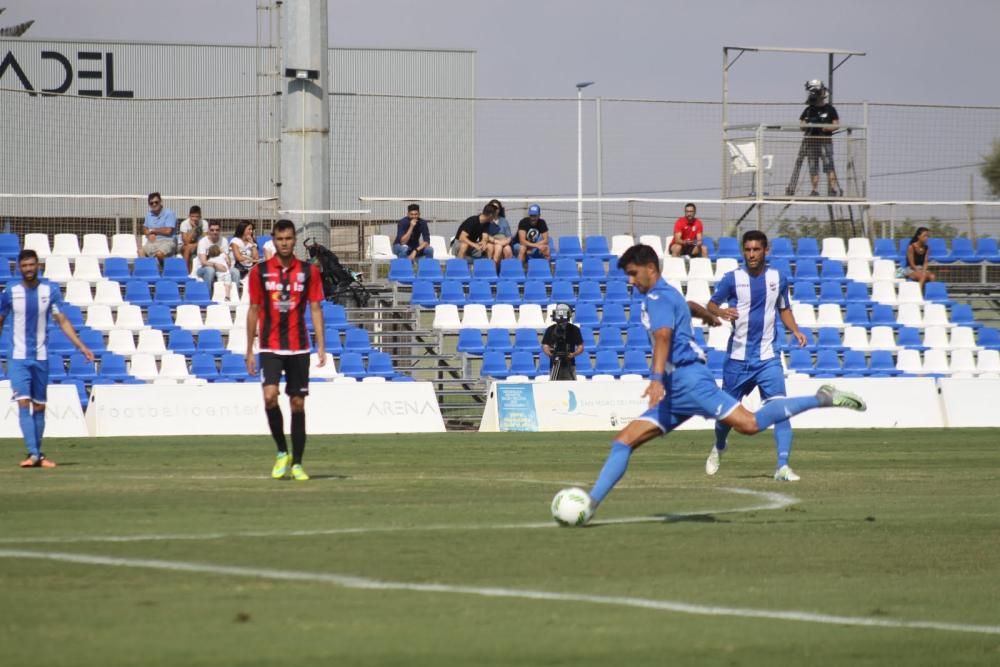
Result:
<point x="674" y="269"/>
<point x="188" y="316"/>
<point x="859" y="270"/>
<point x="78" y="293"/>
<point x="108" y="293"/>
<point x="909" y="361"/>
<point x="724" y="265"/>
<point x="173" y="366"/>
<point x="654" y="242"/>
<point x="529" y="316"/>
<point x="446" y="317"/>
<point x="67" y="245"/>
<point x="856" y="338"/>
<point x="474" y="317"/>
<point x="39" y="243"/>
<point x="620" y="243"/>
<point x="440" y="247"/>
<point x="698" y="291"/>
<point x="151" y="341"/>
<point x="57" y="269"/>
<point x="829" y="315"/>
<point x="218" y="316"/>
<point x="908" y="315"/>
<point x="95" y="245"/>
<point x="121" y="341"/>
<point x="882" y="338"/>
<point x="988" y="361"/>
<point x="327" y="371"/>
<point x="859" y="248"/>
<point x="963" y="338"/>
<point x="380" y="248"/>
<point x="834" y="248"/>
<point x="963" y="363"/>
<point x="502" y="317"/>
<point x="99" y="317"/>
<point x="129" y="316"/>
<point x="909" y="292"/>
<point x="884" y="269"/>
<point x="883" y="291"/>
<point x="87" y="267"/>
<point x="124" y="245"/>
<point x="936" y="338"/>
<point x="936" y="362"/>
<point x="700" y="268"/>
<point x="804" y="315"/>
<point x="143" y="366"/>
<point x="935" y="315"/>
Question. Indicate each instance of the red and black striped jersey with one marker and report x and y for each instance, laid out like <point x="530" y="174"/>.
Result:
<point x="283" y="296"/>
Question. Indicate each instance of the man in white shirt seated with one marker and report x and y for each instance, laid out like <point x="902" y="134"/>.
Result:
<point x="192" y="229"/>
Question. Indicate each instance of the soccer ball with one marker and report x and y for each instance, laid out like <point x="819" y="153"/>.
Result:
<point x="572" y="507"/>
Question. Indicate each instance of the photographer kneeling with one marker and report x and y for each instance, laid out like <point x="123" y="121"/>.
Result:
<point x="562" y="343"/>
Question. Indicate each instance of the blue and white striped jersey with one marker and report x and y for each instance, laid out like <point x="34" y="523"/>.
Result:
<point x="28" y="310"/>
<point x="758" y="300"/>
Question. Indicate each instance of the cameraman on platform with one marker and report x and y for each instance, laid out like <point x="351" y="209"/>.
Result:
<point x="562" y="343"/>
<point x="817" y="142"/>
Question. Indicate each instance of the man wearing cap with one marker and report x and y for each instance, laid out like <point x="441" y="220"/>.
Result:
<point x="532" y="235"/>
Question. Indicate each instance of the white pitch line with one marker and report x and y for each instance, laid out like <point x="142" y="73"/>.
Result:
<point x="771" y="501"/>
<point x="363" y="583"/>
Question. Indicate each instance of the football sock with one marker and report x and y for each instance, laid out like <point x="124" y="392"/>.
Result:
<point x="38" y="416"/>
<point x="783" y="441"/>
<point x="613" y="470"/>
<point x="721" y="433"/>
<point x="298" y="437"/>
<point x="781" y="409"/>
<point x="28" y="430"/>
<point x="277" y="424"/>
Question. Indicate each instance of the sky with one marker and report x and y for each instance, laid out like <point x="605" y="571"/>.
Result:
<point x="918" y="51"/>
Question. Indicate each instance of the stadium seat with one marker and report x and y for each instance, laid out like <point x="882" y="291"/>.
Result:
<point x="986" y="250"/>
<point x="935" y="315"/>
<point x="856" y="338"/>
<point x="562" y="292"/>
<point x="593" y="268"/>
<point x="566" y="270"/>
<point x="855" y="364"/>
<point x="335" y="316"/>
<point x="859" y="248"/>
<point x="936" y="292"/>
<point x="77" y="293"/>
<point x="781" y="248"/>
<point x="474" y="316"/>
<point x="654" y="242"/>
<point x="829" y="315"/>
<point x="804" y="315"/>
<point x="728" y="246"/>
<point x="606" y="362"/>
<point x="988" y="361"/>
<point x="962" y="250"/>
<point x="122" y="341"/>
<point x="830" y="292"/>
<point x="718" y="337"/>
<point x="452" y="291"/>
<point x="909" y="292"/>
<point x="800" y="361"/>
<point x="92" y="339"/>
<point x="938" y="248"/>
<point x="529" y="316"/>
<point x="145" y="268"/>
<point x="805" y="270"/>
<point x="237" y="343"/>
<point x="989" y="338"/>
<point x="935" y="363"/>
<point x="196" y="293"/>
<point x="485" y="270"/>
<point x="80" y="368"/>
<point x="962" y="315"/>
<point x="151" y="341"/>
<point x="87" y="268"/>
<point x="635" y="362"/>
<point x="137" y="293"/>
<point x="124" y="246"/>
<point x="356" y="340"/>
<point x="882" y="364"/>
<point x="535" y="292"/>
<point x="832" y="271"/>
<point x="909" y="337"/>
<point x="457" y="269"/>
<point x="526" y="339"/>
<point x="620" y="243"/>
<point x="39" y="243"/>
<point x="610" y="338"/>
<point x="481" y="291"/>
<point x="674" y="268"/>
<point x="143" y="367"/>
<point x="569" y="247"/>
<point x="401" y="271"/>
<point x="188" y="316"/>
<point x="429" y="269"/>
<point x="6" y="275"/>
<point x="597" y="247"/>
<point x="108" y="293"/>
<point x="883" y="338"/>
<point x="352" y="365"/>
<point x="509" y="292"/>
<point x="203" y="366"/>
<point x="807" y="248"/>
<point x="210" y="341"/>
<point x="423" y="294"/>
<point x="175" y="268"/>
<point x="10" y="246"/>
<point x="828" y="338"/>
<point x="724" y="265"/>
<point x="859" y="270"/>
<point x="116" y="269"/>
<point x="698" y="291"/>
<point x="380" y="363"/>
<point x="963" y="338"/>
<point x="883" y="315"/>
<point x="522" y="362"/>
<point x="857" y="293"/>
<point x="182" y="342"/>
<point x="95" y="245"/>
<point x="494" y="365"/>
<point x="502" y="316"/>
<point x="590" y="292"/>
<point x="886" y="249"/>
<point x="511" y="269"/>
<point x="936" y="338"/>
<point x="637" y="338"/>
<point x="233" y="367"/>
<point x="113" y="368"/>
<point x="499" y="340"/>
<point x="827" y="363"/>
<point x="440" y="247"/>
<point x="585" y="316"/>
<point x="470" y="341"/>
<point x="884" y="292"/>
<point x="539" y="269"/>
<point x="700" y="268"/>
<point x="99" y="317"/>
<point x="614" y="314"/>
<point x="57" y="269"/>
<point x="834" y="249"/>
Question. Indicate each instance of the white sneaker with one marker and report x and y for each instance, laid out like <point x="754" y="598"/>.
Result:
<point x="712" y="462"/>
<point x="786" y="474"/>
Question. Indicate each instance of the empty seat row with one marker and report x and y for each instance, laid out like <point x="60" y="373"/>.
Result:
<point x="935" y="362"/>
<point x="68" y="245"/>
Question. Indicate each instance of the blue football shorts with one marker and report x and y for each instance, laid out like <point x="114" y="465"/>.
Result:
<point x="739" y="378"/>
<point x="691" y="390"/>
<point x="29" y="378"/>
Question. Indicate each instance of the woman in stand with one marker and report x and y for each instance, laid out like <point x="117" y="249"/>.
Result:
<point x="244" y="248"/>
<point x="918" y="255"/>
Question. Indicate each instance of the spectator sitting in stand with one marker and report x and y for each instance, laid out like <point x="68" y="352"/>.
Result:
<point x="500" y="237"/>
<point x="160" y="230"/>
<point x="472" y="238"/>
<point x="208" y="270"/>
<point x="688" y="235"/>
<point x="244" y="248"/>
<point x="413" y="238"/>
<point x="192" y="229"/>
<point x="532" y="235"/>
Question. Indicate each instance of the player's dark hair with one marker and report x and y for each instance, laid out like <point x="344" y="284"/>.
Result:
<point x="282" y="225"/>
<point x="640" y="255"/>
<point x="691" y="205"/>
<point x="754" y="235"/>
<point x="916" y="234"/>
<point x="490" y="209"/>
<point x="413" y="207"/>
<point x="153" y="195"/>
<point x="194" y="209"/>
<point x="27" y="253"/>
<point x="501" y="211"/>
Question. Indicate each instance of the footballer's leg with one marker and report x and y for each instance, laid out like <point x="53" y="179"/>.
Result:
<point x="20" y="382"/>
<point x="771" y="381"/>
<point x="782" y="409"/>
<point x="39" y="397"/>
<point x="297" y="388"/>
<point x="271" y="367"/>
<point x="737" y="383"/>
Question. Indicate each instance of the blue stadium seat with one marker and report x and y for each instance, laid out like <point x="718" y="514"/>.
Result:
<point x="401" y="271"/>
<point x="597" y="246"/>
<point x="882" y="364"/>
<point x="352" y="365"/>
<point x="805" y="269"/>
<point x="635" y="362"/>
<point x="334" y="316"/>
<point x="175" y="268"/>
<point x="885" y="249"/>
<point x="167" y="293"/>
<point x="380" y="364"/>
<point x="522" y="362"/>
<point x="80" y="368"/>
<point x="429" y="268"/>
<point x="789" y="343"/>
<point x="828" y="338"/>
<point x="331" y="340"/>
<point x="855" y="364"/>
<point x="729" y="246"/>
<point x="498" y="340"/>
<point x="830" y="292"/>
<point x="116" y="268"/>
<point x="58" y="342"/>
<point x="494" y="365"/>
<point x="987" y="250"/>
<point x="585" y="316"/>
<point x="590" y="292"/>
<point x="203" y="366"/>
<point x="137" y="293"/>
<point x="511" y="269"/>
<point x="356" y="340"/>
<point x="10" y="246"/>
<point x="610" y="338"/>
<point x="800" y="361"/>
<point x="457" y="269"/>
<point x="535" y="292"/>
<point x="709" y="244"/>
<point x="452" y="291"/>
<point x="939" y="251"/>
<point x="909" y="337"/>
<point x="607" y="363"/>
<point x="827" y="363"/>
<point x="508" y="291"/>
<point x="182" y="342"/>
<point x="833" y="271"/>
<point x="961" y="315"/>
<point x="807" y="248"/>
<point x="470" y="341"/>
<point x="936" y="292"/>
<point x="113" y="367"/>
<point x="593" y="269"/>
<point x="73" y="314"/>
<point x="804" y="292"/>
<point x="857" y="293"/>
<point x="81" y="390"/>
<point x="634" y="314"/>
<point x="6" y="275"/>
<point x="146" y="268"/>
<point x="196" y="293"/>
<point x="783" y="265"/>
<point x="781" y="248"/>
<point x="614" y="314"/>
<point x="159" y="317"/>
<point x="566" y="269"/>
<point x="93" y="339"/>
<point x="423" y="294"/>
<point x="526" y="339"/>
<point x="637" y="338"/>
<point x="883" y="316"/>
<point x="617" y="292"/>
<point x="962" y="250"/>
<point x="484" y="269"/>
<point x="481" y="291"/>
<point x="539" y="269"/>
<point x="233" y="368"/>
<point x="856" y="314"/>
<point x="57" y="368"/>
<point x="569" y="247"/>
<point x="585" y="365"/>
<point x="210" y="340"/>
<point x="989" y="338"/>
<point x="589" y="338"/>
<point x="562" y="292"/>
<point x="903" y="244"/>
<point x="544" y="365"/>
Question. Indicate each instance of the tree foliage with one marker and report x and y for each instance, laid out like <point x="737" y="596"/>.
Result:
<point x="991" y="169"/>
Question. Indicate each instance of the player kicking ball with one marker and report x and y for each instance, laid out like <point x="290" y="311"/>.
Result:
<point x="681" y="384"/>
<point x="30" y="305"/>
<point x="754" y="299"/>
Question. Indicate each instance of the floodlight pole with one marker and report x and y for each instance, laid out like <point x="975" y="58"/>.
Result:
<point x="579" y="156"/>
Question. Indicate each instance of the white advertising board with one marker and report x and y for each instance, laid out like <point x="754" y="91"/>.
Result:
<point x="223" y="409"/>
<point x="971" y="402"/>
<point x="63" y="414"/>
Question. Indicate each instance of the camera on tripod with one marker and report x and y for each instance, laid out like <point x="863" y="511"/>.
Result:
<point x="561" y="346"/>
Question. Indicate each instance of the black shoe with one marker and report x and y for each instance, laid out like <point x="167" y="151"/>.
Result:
<point x="814" y="194"/>
<point x="789" y="192"/>
<point x="835" y="193"/>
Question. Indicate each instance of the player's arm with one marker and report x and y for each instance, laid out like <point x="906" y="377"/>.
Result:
<point x="661" y="350"/>
<point x="317" y="317"/>
<point x="67" y="328"/>
<point x="728" y="314"/>
<point x="702" y="313"/>
<point x="788" y="319"/>
<point x="253" y="313"/>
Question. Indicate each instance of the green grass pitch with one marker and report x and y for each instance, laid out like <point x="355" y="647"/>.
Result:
<point x="437" y="550"/>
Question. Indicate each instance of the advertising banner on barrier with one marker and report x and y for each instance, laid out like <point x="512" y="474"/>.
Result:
<point x="225" y="409"/>
<point x="63" y="414"/>
<point x="608" y="406"/>
<point x="970" y="402"/>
